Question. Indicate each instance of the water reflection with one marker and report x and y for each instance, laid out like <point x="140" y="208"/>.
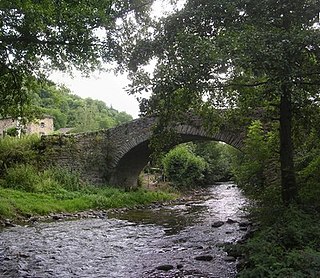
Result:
<point x="172" y="219"/>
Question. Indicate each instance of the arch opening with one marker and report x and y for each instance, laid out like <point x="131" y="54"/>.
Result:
<point x="133" y="162"/>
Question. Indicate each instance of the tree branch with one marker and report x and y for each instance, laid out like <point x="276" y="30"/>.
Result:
<point x="35" y="40"/>
<point x="248" y="85"/>
<point x="307" y="83"/>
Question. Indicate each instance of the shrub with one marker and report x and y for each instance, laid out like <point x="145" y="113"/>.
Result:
<point x="309" y="182"/>
<point x="183" y="168"/>
<point x="286" y="246"/>
<point x="12" y="131"/>
<point x="17" y="151"/>
<point x="22" y="177"/>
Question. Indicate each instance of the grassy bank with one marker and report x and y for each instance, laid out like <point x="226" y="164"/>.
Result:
<point x="17" y="204"/>
<point x="25" y="192"/>
<point x="26" y="189"/>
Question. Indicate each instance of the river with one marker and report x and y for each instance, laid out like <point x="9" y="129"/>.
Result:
<point x="179" y="240"/>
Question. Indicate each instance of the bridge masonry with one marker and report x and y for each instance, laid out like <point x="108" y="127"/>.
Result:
<point x="116" y="156"/>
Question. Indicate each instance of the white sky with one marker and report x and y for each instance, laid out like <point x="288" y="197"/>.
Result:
<point x="107" y="86"/>
<point x="103" y="86"/>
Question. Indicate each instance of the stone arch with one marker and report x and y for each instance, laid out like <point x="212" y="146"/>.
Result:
<point x="135" y="154"/>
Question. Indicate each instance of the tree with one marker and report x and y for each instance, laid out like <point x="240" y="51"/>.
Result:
<point x="218" y="157"/>
<point x="245" y="55"/>
<point x="70" y="110"/>
<point x="39" y="36"/>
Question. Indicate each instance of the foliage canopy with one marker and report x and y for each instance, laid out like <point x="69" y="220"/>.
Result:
<point x="39" y="36"/>
<point x="252" y="57"/>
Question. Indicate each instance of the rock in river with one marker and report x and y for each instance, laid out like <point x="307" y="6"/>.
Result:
<point x="217" y="224"/>
<point x="206" y="258"/>
<point x="165" y="267"/>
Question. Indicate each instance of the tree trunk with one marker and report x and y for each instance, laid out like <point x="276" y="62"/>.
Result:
<point x="288" y="181"/>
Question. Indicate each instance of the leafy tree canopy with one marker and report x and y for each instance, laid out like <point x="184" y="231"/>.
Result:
<point x="39" y="36"/>
<point x="251" y="56"/>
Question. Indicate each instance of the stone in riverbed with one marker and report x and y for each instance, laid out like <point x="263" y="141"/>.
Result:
<point x="245" y="224"/>
<point x="231" y="221"/>
<point x="56" y="217"/>
<point x="7" y="223"/>
<point x="165" y="267"/>
<point x="230" y="259"/>
<point x="205" y="258"/>
<point x="217" y="224"/>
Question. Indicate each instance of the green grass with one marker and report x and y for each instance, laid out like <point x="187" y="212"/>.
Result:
<point x="16" y="203"/>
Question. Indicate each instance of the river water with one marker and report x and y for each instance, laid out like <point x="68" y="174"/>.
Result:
<point x="177" y="240"/>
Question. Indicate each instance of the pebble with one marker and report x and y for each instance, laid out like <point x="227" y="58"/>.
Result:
<point x="231" y="221"/>
<point x="229" y="259"/>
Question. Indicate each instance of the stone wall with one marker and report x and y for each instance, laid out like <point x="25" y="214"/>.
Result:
<point x="85" y="153"/>
<point x="5" y="124"/>
<point x="40" y="126"/>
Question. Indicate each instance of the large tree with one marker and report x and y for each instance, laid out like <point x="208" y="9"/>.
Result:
<point x="245" y="55"/>
<point x="39" y="36"/>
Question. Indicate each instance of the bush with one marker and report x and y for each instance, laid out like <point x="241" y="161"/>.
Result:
<point x="286" y="246"/>
<point x="22" y="177"/>
<point x="12" y="131"/>
<point x="17" y="151"/>
<point x="309" y="179"/>
<point x="183" y="168"/>
<point x="218" y="157"/>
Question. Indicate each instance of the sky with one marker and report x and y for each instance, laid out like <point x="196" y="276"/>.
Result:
<point x="109" y="87"/>
<point x="104" y="86"/>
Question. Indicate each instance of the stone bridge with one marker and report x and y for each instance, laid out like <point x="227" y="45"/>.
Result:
<point x="116" y="156"/>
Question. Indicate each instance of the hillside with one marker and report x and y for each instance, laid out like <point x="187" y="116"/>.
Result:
<point x="72" y="111"/>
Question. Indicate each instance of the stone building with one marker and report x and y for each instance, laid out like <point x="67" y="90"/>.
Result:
<point x="41" y="126"/>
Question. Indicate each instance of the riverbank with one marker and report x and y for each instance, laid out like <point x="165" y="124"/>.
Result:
<point x="285" y="243"/>
<point x="21" y="206"/>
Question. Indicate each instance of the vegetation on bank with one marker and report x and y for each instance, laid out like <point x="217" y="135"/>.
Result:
<point x="26" y="189"/>
<point x="286" y="241"/>
<point x="19" y="204"/>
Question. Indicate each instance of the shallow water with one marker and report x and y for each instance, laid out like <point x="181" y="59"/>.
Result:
<point x="131" y="243"/>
